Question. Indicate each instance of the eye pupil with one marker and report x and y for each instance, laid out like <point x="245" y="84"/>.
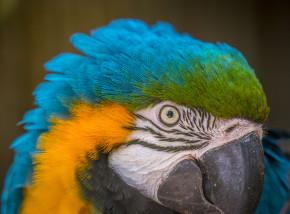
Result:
<point x="170" y="114"/>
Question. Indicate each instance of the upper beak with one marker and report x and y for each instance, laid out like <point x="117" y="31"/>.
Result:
<point x="227" y="179"/>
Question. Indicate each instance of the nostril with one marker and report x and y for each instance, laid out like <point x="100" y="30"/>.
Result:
<point x="231" y="128"/>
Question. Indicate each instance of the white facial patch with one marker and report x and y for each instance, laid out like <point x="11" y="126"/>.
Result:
<point x="144" y="168"/>
<point x="157" y="147"/>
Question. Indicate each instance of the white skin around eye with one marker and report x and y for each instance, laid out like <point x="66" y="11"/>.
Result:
<point x="153" y="112"/>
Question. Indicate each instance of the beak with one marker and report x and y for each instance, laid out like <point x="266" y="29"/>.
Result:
<point x="227" y="179"/>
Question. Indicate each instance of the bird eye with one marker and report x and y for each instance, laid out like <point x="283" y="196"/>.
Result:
<point x="169" y="115"/>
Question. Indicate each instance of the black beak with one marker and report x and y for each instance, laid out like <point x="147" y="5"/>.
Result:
<point x="226" y="179"/>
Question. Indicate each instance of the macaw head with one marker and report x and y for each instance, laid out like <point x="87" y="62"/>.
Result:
<point x="149" y="121"/>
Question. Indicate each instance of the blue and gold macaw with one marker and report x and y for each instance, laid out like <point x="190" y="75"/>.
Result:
<point x="147" y="120"/>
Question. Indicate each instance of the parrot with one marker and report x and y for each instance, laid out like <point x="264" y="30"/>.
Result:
<point x="144" y="119"/>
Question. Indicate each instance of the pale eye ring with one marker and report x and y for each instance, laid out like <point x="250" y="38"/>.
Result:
<point x="169" y="115"/>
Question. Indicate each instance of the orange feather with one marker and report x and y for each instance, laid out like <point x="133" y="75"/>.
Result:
<point x="65" y="149"/>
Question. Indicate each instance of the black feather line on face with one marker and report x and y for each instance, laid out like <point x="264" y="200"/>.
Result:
<point x="161" y="137"/>
<point x="195" y="123"/>
<point x="199" y="122"/>
<point x="168" y="148"/>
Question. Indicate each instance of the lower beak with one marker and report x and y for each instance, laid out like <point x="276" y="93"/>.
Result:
<point x="226" y="179"/>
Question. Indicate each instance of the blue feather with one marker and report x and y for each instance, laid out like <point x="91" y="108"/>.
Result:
<point x="20" y="172"/>
<point x="276" y="182"/>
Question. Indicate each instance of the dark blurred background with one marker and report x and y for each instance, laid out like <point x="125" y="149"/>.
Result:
<point x="33" y="31"/>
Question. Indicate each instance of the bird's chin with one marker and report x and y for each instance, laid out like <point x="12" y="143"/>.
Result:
<point x="225" y="179"/>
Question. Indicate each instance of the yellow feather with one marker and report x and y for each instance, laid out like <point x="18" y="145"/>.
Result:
<point x="64" y="150"/>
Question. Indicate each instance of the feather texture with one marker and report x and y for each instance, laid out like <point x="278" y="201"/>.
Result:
<point x="131" y="63"/>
